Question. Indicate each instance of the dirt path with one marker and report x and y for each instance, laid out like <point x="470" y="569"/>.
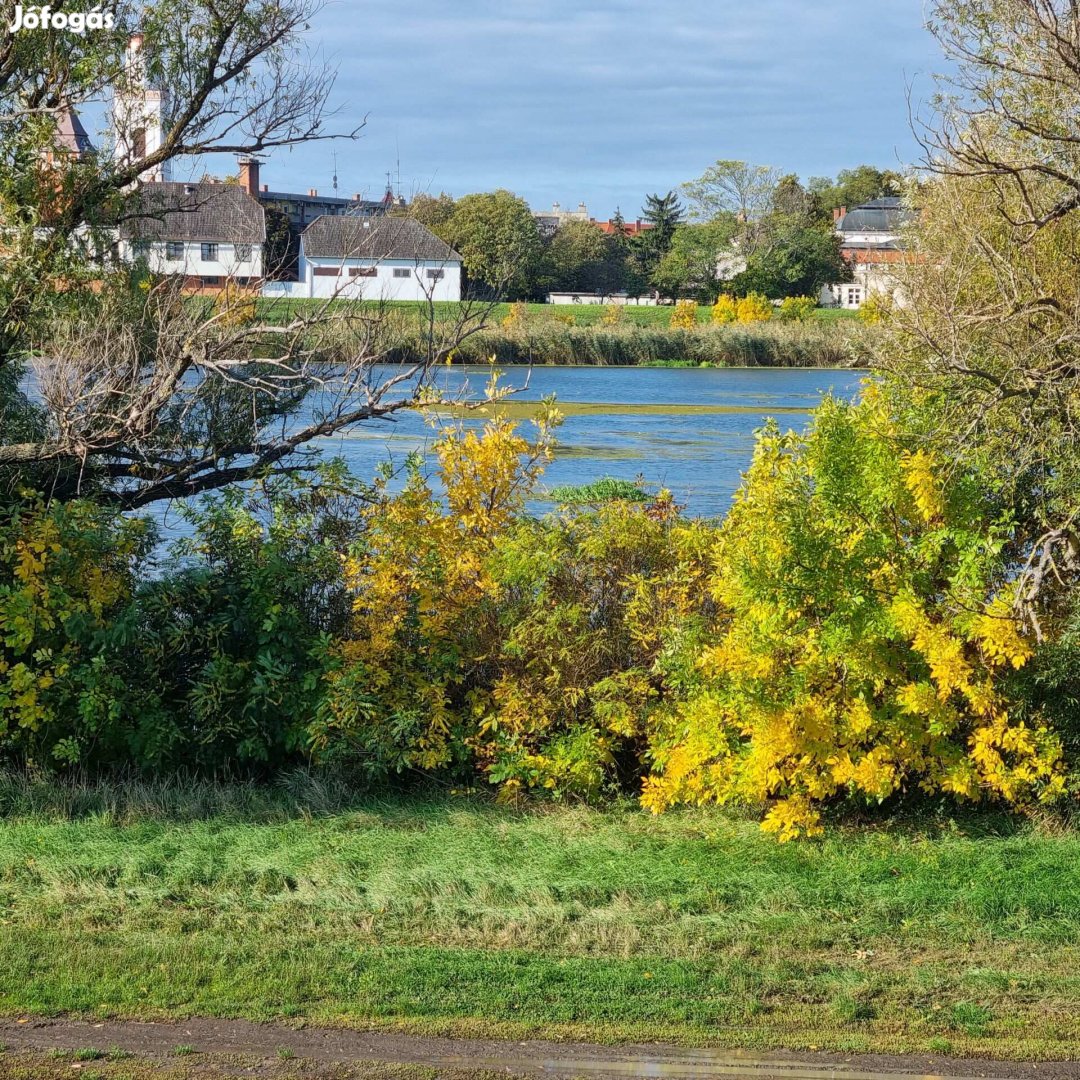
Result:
<point x="560" y="1061"/>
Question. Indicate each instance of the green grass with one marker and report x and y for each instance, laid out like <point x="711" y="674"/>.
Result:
<point x="280" y="310"/>
<point x="457" y="916"/>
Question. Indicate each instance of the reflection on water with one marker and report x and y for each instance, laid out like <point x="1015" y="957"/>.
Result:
<point x="687" y="429"/>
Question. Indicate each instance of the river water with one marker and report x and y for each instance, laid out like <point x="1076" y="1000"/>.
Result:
<point x="687" y="429"/>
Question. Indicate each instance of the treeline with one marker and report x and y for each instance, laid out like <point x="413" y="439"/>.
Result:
<point x="737" y="229"/>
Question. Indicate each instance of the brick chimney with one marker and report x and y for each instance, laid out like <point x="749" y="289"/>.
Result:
<point x="839" y="212"/>
<point x="313" y="193"/>
<point x="249" y="175"/>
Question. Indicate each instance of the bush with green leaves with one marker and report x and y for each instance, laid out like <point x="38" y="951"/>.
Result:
<point x="234" y="643"/>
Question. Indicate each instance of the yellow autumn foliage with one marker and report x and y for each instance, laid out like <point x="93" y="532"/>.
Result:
<point x="684" y="315"/>
<point x="867" y="629"/>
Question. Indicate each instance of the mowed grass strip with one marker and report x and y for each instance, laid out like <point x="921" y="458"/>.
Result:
<point x="459" y="916"/>
<point x="282" y="310"/>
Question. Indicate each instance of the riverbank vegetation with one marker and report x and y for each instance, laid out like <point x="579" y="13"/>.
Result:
<point x="515" y="334"/>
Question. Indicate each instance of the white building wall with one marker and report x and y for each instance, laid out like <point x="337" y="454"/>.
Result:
<point x="191" y="263"/>
<point x="411" y="281"/>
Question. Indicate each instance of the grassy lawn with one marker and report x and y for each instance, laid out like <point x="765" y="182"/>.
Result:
<point x="278" y="311"/>
<point x="454" y="916"/>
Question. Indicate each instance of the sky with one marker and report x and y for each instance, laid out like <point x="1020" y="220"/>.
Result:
<point x="603" y="102"/>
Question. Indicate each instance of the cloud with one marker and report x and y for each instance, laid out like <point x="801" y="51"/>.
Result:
<point x="604" y="101"/>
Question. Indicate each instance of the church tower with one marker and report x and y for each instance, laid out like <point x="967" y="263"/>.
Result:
<point x="139" y="114"/>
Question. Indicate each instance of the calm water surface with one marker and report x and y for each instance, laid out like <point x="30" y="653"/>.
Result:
<point x="690" y="430"/>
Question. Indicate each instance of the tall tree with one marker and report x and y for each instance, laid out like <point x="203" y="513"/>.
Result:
<point x="989" y="337"/>
<point x="581" y="258"/>
<point x="498" y="239"/>
<point x="732" y="187"/>
<point x="853" y="187"/>
<point x="663" y="213"/>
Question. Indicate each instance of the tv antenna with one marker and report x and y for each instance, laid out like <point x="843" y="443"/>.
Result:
<point x="335" y="172"/>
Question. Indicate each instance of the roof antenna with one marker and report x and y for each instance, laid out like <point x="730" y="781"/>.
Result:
<point x="335" y="172"/>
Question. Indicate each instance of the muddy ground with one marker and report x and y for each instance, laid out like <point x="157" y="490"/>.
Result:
<point x="233" y="1048"/>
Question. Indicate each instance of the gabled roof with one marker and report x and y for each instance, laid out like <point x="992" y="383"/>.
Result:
<point x="345" y="237"/>
<point x="223" y="213"/>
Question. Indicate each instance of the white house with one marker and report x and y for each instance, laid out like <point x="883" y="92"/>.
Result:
<point x="209" y="233"/>
<point x="375" y="258"/>
<point x="872" y="243"/>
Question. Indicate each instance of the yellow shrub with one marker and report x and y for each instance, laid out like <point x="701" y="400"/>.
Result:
<point x="684" y="315"/>
<point x="516" y="317"/>
<point x="863" y="653"/>
<point x="797" y="308"/>
<point x="725" y="310"/>
<point x="234" y="306"/>
<point x="612" y="315"/>
<point x="876" y="308"/>
<point x="754" y="308"/>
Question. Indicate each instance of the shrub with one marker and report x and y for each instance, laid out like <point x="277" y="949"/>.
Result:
<point x="725" y="310"/>
<point x="868" y="634"/>
<point x="684" y="315"/>
<point x="754" y="308"/>
<point x="516" y="317"/>
<point x="484" y="640"/>
<point x="875" y="309"/>
<point x="797" y="308"/>
<point x="612" y="315"/>
<point x="67" y="575"/>
<point x="234" y="306"/>
<point x="233" y="645"/>
<point x="415" y="582"/>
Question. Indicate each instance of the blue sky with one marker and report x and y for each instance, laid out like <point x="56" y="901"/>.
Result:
<point x="602" y="102"/>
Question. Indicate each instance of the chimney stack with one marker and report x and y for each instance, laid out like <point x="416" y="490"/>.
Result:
<point x="249" y="175"/>
<point x="313" y="193"/>
<point x="839" y="212"/>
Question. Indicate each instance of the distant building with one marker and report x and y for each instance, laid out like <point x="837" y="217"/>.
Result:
<point x="209" y="233"/>
<point x="621" y="299"/>
<point x="629" y="228"/>
<point x="376" y="258"/>
<point x="549" y="222"/>
<point x="302" y="210"/>
<point x="872" y="243"/>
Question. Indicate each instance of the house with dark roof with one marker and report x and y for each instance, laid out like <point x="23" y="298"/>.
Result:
<point x="872" y="243"/>
<point x="210" y="233"/>
<point x="377" y="258"/>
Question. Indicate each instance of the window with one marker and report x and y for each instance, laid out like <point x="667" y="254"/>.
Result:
<point x="242" y="251"/>
<point x="174" y="250"/>
<point x="402" y="271"/>
<point x="140" y="248"/>
<point x="138" y="143"/>
<point x="363" y="271"/>
<point x="211" y="280"/>
<point x="326" y="271"/>
<point x="436" y="275"/>
<point x="209" y="253"/>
